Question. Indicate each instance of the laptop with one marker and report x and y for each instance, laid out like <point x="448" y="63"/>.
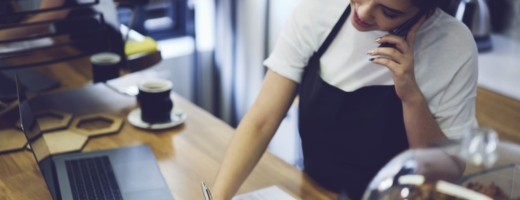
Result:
<point x="129" y="173"/>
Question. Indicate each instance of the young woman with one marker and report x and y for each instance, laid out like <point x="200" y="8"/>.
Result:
<point x="356" y="113"/>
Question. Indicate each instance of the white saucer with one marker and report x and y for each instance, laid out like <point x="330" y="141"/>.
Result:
<point x="177" y="118"/>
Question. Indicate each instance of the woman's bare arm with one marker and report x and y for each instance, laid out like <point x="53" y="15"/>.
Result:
<point x="254" y="134"/>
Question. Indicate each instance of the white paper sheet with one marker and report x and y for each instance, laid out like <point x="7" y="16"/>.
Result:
<point x="269" y="193"/>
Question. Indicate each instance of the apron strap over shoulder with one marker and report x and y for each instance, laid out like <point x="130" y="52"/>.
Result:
<point x="334" y="32"/>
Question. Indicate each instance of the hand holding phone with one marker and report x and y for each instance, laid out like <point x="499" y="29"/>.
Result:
<point x="400" y="59"/>
<point x="404" y="29"/>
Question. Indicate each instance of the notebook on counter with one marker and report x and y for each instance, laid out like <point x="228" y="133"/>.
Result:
<point x="269" y="193"/>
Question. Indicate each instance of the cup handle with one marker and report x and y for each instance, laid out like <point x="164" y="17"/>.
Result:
<point x="169" y="105"/>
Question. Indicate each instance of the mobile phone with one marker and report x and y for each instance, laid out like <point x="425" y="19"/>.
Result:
<point x="403" y="30"/>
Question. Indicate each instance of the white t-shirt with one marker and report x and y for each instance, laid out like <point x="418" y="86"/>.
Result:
<point x="446" y="59"/>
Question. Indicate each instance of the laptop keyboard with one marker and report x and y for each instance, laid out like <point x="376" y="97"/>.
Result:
<point x="92" y="178"/>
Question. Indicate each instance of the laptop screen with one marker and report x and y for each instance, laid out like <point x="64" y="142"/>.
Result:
<point x="36" y="141"/>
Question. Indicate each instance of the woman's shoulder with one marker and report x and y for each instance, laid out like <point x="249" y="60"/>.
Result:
<point x="444" y="30"/>
<point x="323" y="7"/>
<point x="303" y="34"/>
<point x="320" y="12"/>
<point x="316" y="18"/>
<point x="446" y="53"/>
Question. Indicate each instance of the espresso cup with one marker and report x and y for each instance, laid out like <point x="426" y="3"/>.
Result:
<point x="105" y="66"/>
<point x="155" y="101"/>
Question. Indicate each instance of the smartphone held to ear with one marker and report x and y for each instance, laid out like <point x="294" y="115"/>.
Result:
<point x="404" y="29"/>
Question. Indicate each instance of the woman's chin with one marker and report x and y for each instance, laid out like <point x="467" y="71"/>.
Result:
<point x="362" y="28"/>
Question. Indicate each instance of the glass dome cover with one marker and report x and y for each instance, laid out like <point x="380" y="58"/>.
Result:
<point x="476" y="167"/>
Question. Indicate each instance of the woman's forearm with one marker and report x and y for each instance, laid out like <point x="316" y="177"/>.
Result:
<point x="420" y="124"/>
<point x="254" y="134"/>
<point x="244" y="151"/>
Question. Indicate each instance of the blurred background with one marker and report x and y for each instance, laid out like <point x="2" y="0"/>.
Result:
<point x="212" y="51"/>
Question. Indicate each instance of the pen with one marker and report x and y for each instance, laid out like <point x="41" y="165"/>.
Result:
<point x="205" y="190"/>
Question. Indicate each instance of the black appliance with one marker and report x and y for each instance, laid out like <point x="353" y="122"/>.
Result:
<point x="157" y="19"/>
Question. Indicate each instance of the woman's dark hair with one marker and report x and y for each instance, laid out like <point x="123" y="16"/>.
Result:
<point x="429" y="6"/>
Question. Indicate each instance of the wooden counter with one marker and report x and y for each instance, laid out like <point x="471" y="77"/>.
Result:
<point x="499" y="112"/>
<point x="186" y="155"/>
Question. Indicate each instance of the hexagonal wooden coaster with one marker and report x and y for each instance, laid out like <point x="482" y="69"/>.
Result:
<point x="12" y="140"/>
<point x="97" y="124"/>
<point x="51" y="120"/>
<point x="64" y="141"/>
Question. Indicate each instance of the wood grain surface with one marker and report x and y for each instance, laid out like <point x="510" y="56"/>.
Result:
<point x="499" y="112"/>
<point x="186" y="155"/>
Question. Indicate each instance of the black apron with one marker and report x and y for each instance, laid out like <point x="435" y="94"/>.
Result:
<point x="347" y="137"/>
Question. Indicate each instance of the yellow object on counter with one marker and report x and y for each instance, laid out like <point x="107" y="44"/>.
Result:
<point x="137" y="47"/>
